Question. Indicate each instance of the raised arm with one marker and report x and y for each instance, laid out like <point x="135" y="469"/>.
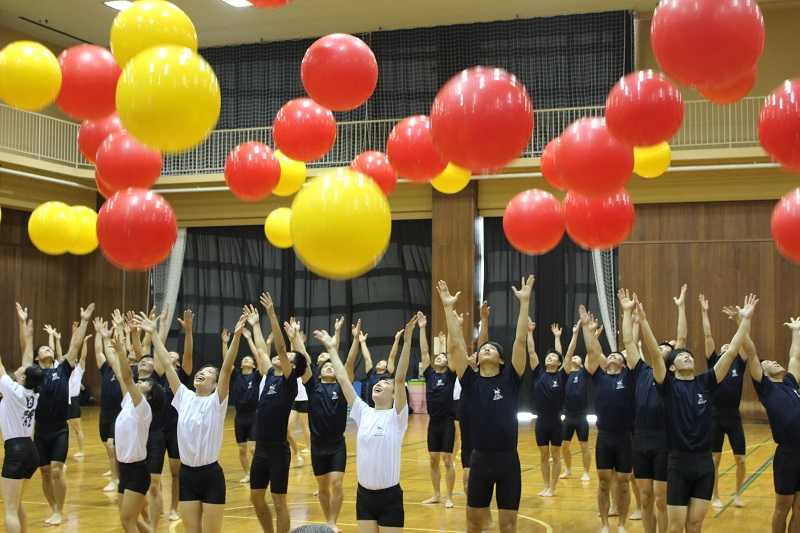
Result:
<point x="123" y="370"/>
<point x="277" y="336"/>
<point x="456" y="347"/>
<point x="54" y="340"/>
<point x="253" y="320"/>
<point x="341" y="373"/>
<point x="337" y="331"/>
<point x="532" y="355"/>
<point x="556" y="330"/>
<point x="627" y="304"/>
<point x="163" y="325"/>
<point x="523" y="294"/>
<point x="365" y="353"/>
<point x="390" y="361"/>
<point x="650" y="345"/>
<point x="100" y="331"/>
<point x="726" y="359"/>
<point x="573" y="342"/>
<point x="753" y="363"/>
<point x="680" y="303"/>
<point x="76" y="341"/>
<point x="350" y="364"/>
<point x="708" y="339"/>
<point x="424" y="350"/>
<point x="593" y="350"/>
<point x="794" y="349"/>
<point x="188" y="341"/>
<point x="483" y="331"/>
<point x="264" y="357"/>
<point x="161" y="354"/>
<point x="224" y="381"/>
<point x="400" y="398"/>
<point x="225" y="337"/>
<point x="136" y="338"/>
<point x="84" y="352"/>
<point x="25" y="343"/>
<point x="299" y="346"/>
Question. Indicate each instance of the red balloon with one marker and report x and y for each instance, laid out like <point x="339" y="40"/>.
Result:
<point x="482" y="119"/>
<point x="136" y="229"/>
<point x="779" y="125"/>
<point x="549" y="164"/>
<point x="411" y="151"/>
<point x="269" y="3"/>
<point x="376" y="165"/>
<point x="89" y="77"/>
<point x="644" y="109"/>
<point x="591" y="161"/>
<point x="304" y="130"/>
<point x="339" y="71"/>
<point x="252" y="171"/>
<point x="599" y="222"/>
<point x="707" y="42"/>
<point x="785" y="225"/>
<point x="92" y="133"/>
<point x="102" y="187"/>
<point x="125" y="162"/>
<point x="733" y="92"/>
<point x="534" y="222"/>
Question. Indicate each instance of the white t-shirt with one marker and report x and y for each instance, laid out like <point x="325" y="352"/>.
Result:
<point x="457" y="390"/>
<point x="380" y="437"/>
<point x="75" y="382"/>
<point x="130" y="430"/>
<point x="200" y="423"/>
<point x="302" y="395"/>
<point x="17" y="410"/>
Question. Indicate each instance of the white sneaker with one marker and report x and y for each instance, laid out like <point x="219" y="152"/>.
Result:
<point x="717" y="504"/>
<point x="79" y="455"/>
<point x="737" y="501"/>
<point x="621" y="529"/>
<point x="174" y="516"/>
<point x="107" y="473"/>
<point x="54" y="520"/>
<point x="245" y="479"/>
<point x="564" y="474"/>
<point x="635" y="515"/>
<point x="585" y="476"/>
<point x="111" y="487"/>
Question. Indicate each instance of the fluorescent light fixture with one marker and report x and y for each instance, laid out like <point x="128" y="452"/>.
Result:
<point x="238" y="3"/>
<point x="119" y="5"/>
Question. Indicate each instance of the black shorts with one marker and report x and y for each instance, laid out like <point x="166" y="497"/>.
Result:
<point x="490" y="470"/>
<point x="52" y="446"/>
<point x="575" y="424"/>
<point x="21" y="458"/>
<point x="204" y="484"/>
<point x="156" y="448"/>
<point x="384" y="506"/>
<point x="134" y="477"/>
<point x="614" y="451"/>
<point x="270" y="467"/>
<point x="689" y="475"/>
<point x="732" y="427"/>
<point x="301" y="406"/>
<point x="328" y="458"/>
<point x="171" y="440"/>
<point x="74" y="408"/>
<point x="786" y="471"/>
<point x="244" y="426"/>
<point x="441" y="435"/>
<point x="650" y="464"/>
<point x="107" y="421"/>
<point x="548" y="432"/>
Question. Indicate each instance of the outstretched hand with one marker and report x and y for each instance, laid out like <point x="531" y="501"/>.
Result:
<point x="145" y="323"/>
<point x="186" y="323"/>
<point x="22" y="313"/>
<point x="448" y="300"/>
<point x="556" y="330"/>
<point x="525" y="289"/>
<point x="793" y="324"/>
<point x="703" y="302"/>
<point x="422" y="320"/>
<point x="86" y="313"/>
<point x="225" y="335"/>
<point x="749" y="308"/>
<point x="325" y="339"/>
<point x="625" y="300"/>
<point x="681" y="299"/>
<point x="409" y="329"/>
<point x="485" y="309"/>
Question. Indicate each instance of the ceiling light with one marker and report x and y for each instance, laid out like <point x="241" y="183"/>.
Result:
<point x="238" y="3"/>
<point x="119" y="5"/>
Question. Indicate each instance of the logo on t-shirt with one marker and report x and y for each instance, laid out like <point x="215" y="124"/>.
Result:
<point x="334" y="395"/>
<point x="700" y="399"/>
<point x="498" y="395"/>
<point x="620" y="385"/>
<point x="56" y="377"/>
<point x="379" y="431"/>
<point x="440" y="382"/>
<point x="555" y="383"/>
<point x="575" y="379"/>
<point x="272" y="390"/>
<point x="249" y="385"/>
<point x="733" y="373"/>
<point x="796" y="393"/>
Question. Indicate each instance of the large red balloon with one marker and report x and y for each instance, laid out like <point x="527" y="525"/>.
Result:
<point x="376" y="165"/>
<point x="599" y="222"/>
<point x="779" y="125"/>
<point x="591" y="160"/>
<point x="732" y="92"/>
<point x="534" y="222"/>
<point x="136" y="229"/>
<point x="124" y="162"/>
<point x="102" y="187"/>
<point x="482" y="119"/>
<point x="252" y="171"/>
<point x="785" y="225"/>
<point x="89" y="77"/>
<point x="269" y="3"/>
<point x="707" y="42"/>
<point x="549" y="164"/>
<point x="411" y="151"/>
<point x="644" y="109"/>
<point x="92" y="133"/>
<point x="339" y="71"/>
<point x="304" y="130"/>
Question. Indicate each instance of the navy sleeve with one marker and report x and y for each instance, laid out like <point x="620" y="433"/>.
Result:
<point x="708" y="380"/>
<point x="536" y="373"/>
<point x="300" y="365"/>
<point x="427" y="372"/>
<point x="640" y="367"/>
<point x="64" y="369"/>
<point x="763" y="387"/>
<point x="664" y="387"/>
<point x="789" y="379"/>
<point x="515" y="378"/>
<point x="468" y="377"/>
<point x="712" y="359"/>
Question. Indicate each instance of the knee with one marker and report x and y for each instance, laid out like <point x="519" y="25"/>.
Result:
<point x="544" y="453"/>
<point x="434" y="460"/>
<point x="782" y="508"/>
<point x="603" y="484"/>
<point x="281" y="507"/>
<point x="57" y="473"/>
<point x="556" y="455"/>
<point x="660" y="501"/>
<point x="647" y="497"/>
<point x="739" y="460"/>
<point x="243" y="449"/>
<point x="475" y="522"/>
<point x="448" y="461"/>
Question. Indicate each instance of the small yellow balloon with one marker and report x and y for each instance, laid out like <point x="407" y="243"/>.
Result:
<point x="52" y="228"/>
<point x="341" y="224"/>
<point x="651" y="161"/>
<point x="277" y="228"/>
<point x="168" y="98"/>
<point x="293" y="175"/>
<point x="30" y="77"/>
<point x="86" y="235"/>
<point x="149" y="23"/>
<point x="452" y="179"/>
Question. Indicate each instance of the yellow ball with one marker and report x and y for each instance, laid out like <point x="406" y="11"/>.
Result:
<point x="278" y="228"/>
<point x="293" y="175"/>
<point x="168" y="98"/>
<point x="52" y="228"/>
<point x="30" y="77"/>
<point x="86" y="235"/>
<point x="651" y="161"/>
<point x="452" y="179"/>
<point x="341" y="224"/>
<point x="149" y="23"/>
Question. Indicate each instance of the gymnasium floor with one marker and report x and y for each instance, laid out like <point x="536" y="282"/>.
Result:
<point x="89" y="510"/>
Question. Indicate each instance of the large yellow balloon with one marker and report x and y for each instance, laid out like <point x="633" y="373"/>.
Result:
<point x="293" y="175"/>
<point x="452" y="179"/>
<point x="86" y="231"/>
<point x="52" y="228"/>
<point x="30" y="77"/>
<point x="278" y="228"/>
<point x="168" y="98"/>
<point x="149" y="23"/>
<point x="341" y="224"/>
<point x="651" y="161"/>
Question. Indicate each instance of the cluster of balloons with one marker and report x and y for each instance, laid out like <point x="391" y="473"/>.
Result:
<point x="56" y="228"/>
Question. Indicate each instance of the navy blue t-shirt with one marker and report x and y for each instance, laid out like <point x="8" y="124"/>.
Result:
<point x="576" y="393"/>
<point x="110" y="391"/>
<point x="170" y="414"/>
<point x="650" y="429"/>
<point x="244" y="390"/>
<point x="548" y="393"/>
<point x="688" y="407"/>
<point x="782" y="402"/>
<point x="276" y="395"/>
<point x="368" y="382"/>
<point x="613" y="400"/>
<point x="53" y="407"/>
<point x="491" y="405"/>
<point x="327" y="412"/>
<point x="728" y="395"/>
<point x="439" y="393"/>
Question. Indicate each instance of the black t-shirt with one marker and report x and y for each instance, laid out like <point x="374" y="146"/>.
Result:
<point x="244" y="390"/>
<point x="368" y="382"/>
<point x="576" y="393"/>
<point x="491" y="405"/>
<point x="327" y="412"/>
<point x="688" y="407"/>
<point x="110" y="391"/>
<point x="157" y="422"/>
<point x="782" y="402"/>
<point x="613" y="400"/>
<point x="548" y="393"/>
<point x="53" y="407"/>
<point x="728" y="395"/>
<point x="276" y="395"/>
<point x="170" y="413"/>
<point x="650" y="430"/>
<point x="439" y="393"/>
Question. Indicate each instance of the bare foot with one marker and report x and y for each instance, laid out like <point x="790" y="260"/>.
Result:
<point x="448" y="503"/>
<point x="565" y="474"/>
<point x="433" y="499"/>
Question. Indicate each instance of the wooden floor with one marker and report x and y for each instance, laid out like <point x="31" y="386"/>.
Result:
<point x="89" y="510"/>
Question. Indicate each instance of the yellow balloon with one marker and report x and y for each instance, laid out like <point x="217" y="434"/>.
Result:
<point x="293" y="175"/>
<point x="30" y="77"/>
<point x="86" y="235"/>
<point x="452" y="179"/>
<point x="149" y="23"/>
<point x="277" y="228"/>
<point x="52" y="228"/>
<point x="651" y="161"/>
<point x="168" y="98"/>
<point x="341" y="224"/>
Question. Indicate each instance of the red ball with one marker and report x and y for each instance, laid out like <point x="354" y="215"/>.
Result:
<point x="549" y="164"/>
<point x="89" y="77"/>
<point x="733" y="92"/>
<point x="591" y="160"/>
<point x="304" y="130"/>
<point x="376" y="165"/>
<point x="252" y="171"/>
<point x="269" y="3"/>
<point x="599" y="222"/>
<point x="102" y="187"/>
<point x="482" y="119"/>
<point x="92" y="133"/>
<point x="125" y="162"/>
<point x="411" y="151"/>
<point x="707" y="42"/>
<point x="339" y="71"/>
<point x="644" y="109"/>
<point x="779" y="125"/>
<point x="534" y="222"/>
<point x="136" y="229"/>
<point x="785" y="225"/>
